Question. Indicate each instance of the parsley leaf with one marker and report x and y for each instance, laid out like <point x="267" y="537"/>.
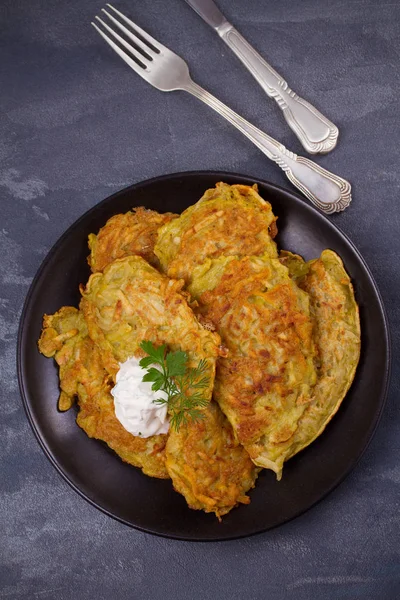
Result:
<point x="182" y="384"/>
<point x="176" y="363"/>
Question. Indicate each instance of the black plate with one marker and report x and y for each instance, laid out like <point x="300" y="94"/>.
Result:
<point x="151" y="505"/>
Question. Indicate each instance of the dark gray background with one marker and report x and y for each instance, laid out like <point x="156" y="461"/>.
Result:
<point x="76" y="125"/>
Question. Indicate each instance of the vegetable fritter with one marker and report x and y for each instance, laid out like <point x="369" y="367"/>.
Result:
<point x="265" y="383"/>
<point x="130" y="302"/>
<point x="208" y="466"/>
<point x="227" y="220"/>
<point x="337" y="333"/>
<point x="132" y="233"/>
<point x="82" y="375"/>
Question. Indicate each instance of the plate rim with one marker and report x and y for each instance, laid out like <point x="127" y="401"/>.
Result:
<point x="381" y="401"/>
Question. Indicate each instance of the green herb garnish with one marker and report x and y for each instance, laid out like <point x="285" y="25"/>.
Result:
<point x="183" y="385"/>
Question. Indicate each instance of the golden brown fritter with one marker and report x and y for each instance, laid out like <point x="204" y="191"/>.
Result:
<point x="82" y="375"/>
<point x="227" y="220"/>
<point x="208" y="466"/>
<point x="130" y="302"/>
<point x="337" y="334"/>
<point x="97" y="418"/>
<point x="265" y="383"/>
<point x="64" y="337"/>
<point x="132" y="233"/>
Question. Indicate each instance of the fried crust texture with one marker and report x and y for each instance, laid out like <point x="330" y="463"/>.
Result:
<point x="217" y="225"/>
<point x="265" y="383"/>
<point x="131" y="233"/>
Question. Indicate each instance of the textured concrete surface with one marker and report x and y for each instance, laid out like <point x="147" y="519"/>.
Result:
<point x="76" y="125"/>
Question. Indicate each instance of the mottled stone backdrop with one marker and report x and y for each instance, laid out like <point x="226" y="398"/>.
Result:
<point x="76" y="125"/>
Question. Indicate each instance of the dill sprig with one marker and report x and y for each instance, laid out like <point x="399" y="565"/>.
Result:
<point x="183" y="385"/>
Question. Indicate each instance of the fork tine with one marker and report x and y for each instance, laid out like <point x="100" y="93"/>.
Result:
<point x="144" y="60"/>
<point x="139" y="70"/>
<point x="131" y="35"/>
<point x="141" y="31"/>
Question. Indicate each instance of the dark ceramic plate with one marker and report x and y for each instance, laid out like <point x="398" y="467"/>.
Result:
<point x="152" y="505"/>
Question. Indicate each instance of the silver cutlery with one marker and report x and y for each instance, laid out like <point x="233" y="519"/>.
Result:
<point x="315" y="132"/>
<point x="167" y="72"/>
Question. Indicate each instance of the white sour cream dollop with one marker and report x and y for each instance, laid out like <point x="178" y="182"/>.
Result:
<point x="134" y="401"/>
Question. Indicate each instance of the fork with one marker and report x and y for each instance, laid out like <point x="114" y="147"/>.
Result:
<point x="167" y="72"/>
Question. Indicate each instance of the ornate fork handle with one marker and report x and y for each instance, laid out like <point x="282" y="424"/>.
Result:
<point x="327" y="191"/>
<point x="316" y="132"/>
